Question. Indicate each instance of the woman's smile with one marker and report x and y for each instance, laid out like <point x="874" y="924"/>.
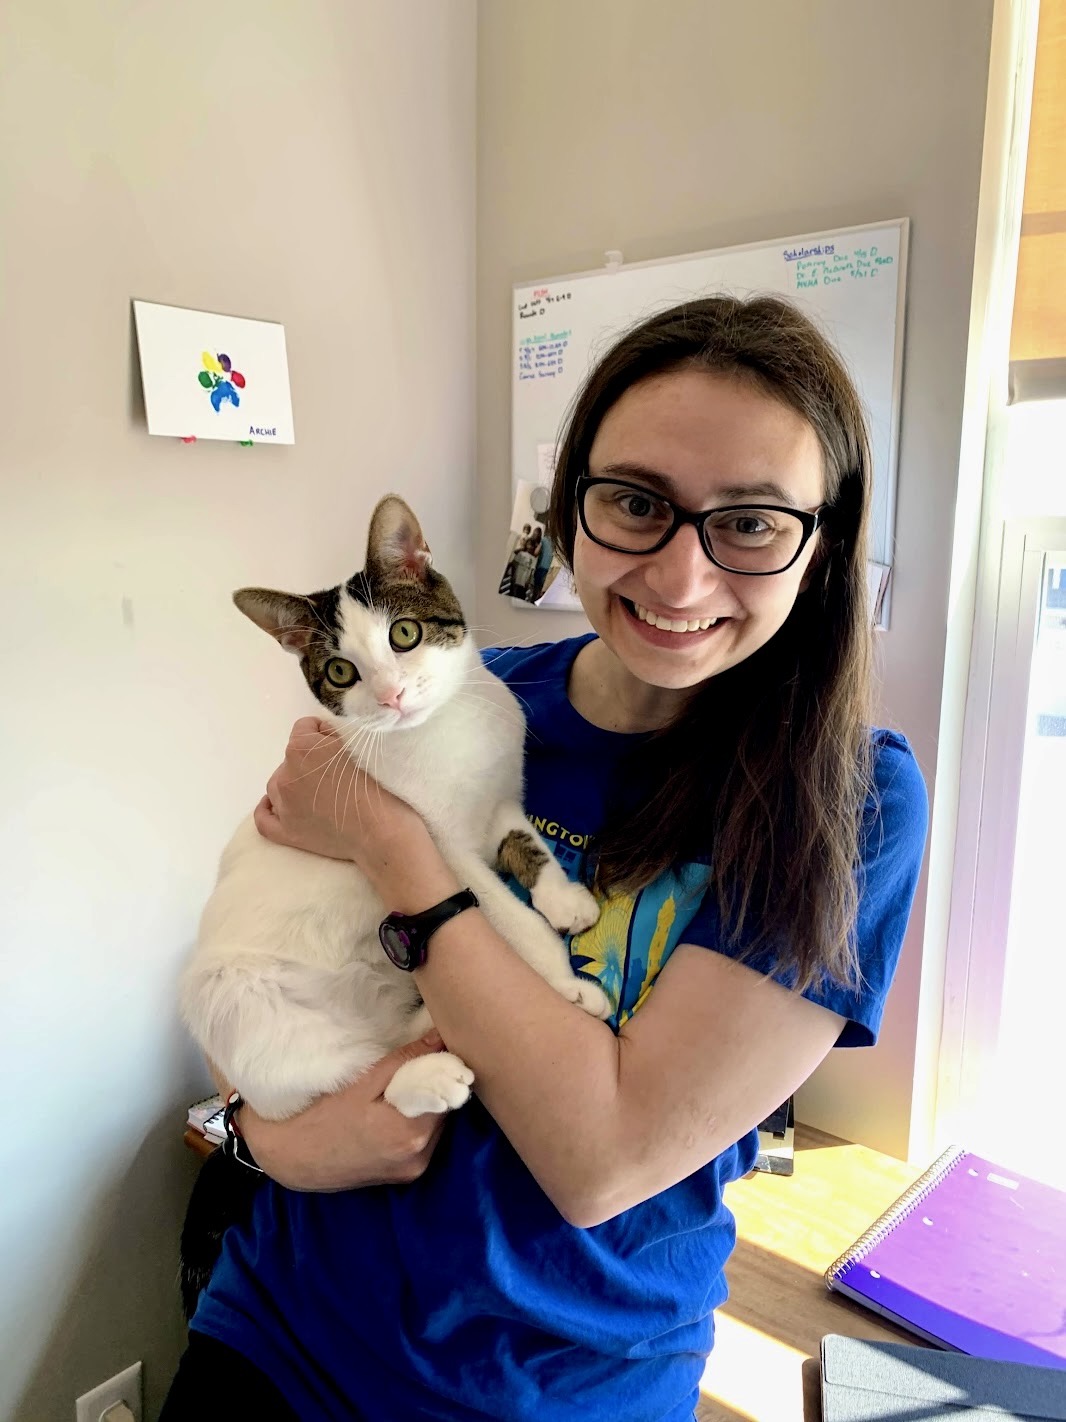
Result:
<point x="674" y="630"/>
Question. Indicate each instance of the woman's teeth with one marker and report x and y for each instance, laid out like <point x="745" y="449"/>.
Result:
<point x="669" y="624"/>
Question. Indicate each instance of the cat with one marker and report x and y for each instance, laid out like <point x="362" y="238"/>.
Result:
<point x="288" y="990"/>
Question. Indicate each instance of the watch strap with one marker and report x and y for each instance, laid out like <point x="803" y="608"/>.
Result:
<point x="436" y="917"/>
<point x="235" y="1145"/>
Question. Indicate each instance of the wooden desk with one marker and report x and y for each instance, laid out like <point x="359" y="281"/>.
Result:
<point x="198" y="1142"/>
<point x="790" y="1228"/>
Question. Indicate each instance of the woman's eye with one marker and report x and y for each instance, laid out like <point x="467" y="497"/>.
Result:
<point x="341" y="672"/>
<point x="750" y="524"/>
<point x="405" y="634"/>
<point x="636" y="505"/>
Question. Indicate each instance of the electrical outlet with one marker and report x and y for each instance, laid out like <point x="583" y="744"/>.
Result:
<point x="124" y="1387"/>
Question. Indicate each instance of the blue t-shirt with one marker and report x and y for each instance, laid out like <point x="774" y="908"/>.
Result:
<point x="465" y="1296"/>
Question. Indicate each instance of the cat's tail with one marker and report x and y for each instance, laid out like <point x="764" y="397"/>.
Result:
<point x="222" y="1196"/>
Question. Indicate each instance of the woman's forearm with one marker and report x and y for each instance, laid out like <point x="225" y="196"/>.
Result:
<point x="547" y="1072"/>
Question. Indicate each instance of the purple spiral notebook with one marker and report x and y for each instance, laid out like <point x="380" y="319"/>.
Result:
<point x="971" y="1257"/>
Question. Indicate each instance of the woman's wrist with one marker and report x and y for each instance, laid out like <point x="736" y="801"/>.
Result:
<point x="409" y="872"/>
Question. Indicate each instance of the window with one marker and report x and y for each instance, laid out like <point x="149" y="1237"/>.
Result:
<point x="1004" y="1021"/>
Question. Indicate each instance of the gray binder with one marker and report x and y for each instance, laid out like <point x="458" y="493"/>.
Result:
<point x="863" y="1381"/>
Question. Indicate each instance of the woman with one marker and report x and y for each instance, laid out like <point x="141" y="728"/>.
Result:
<point x="555" y="1250"/>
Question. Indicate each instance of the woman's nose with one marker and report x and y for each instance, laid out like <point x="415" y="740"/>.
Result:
<point x="681" y="574"/>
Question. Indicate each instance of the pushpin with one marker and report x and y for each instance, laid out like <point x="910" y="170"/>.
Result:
<point x="188" y="439"/>
<point x="246" y="441"/>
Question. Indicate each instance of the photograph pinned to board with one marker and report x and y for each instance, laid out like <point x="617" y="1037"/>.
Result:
<point x="208" y="376"/>
<point x="532" y="573"/>
<point x="528" y="567"/>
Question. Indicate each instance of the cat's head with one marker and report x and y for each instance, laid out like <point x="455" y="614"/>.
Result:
<point x="388" y="647"/>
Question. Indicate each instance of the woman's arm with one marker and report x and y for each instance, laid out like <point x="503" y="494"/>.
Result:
<point x="348" y="1139"/>
<point x="602" y="1122"/>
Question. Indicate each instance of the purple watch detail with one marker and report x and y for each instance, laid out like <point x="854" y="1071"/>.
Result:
<point x="405" y="936"/>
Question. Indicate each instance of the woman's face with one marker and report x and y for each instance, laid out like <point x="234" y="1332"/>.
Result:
<point x="704" y="441"/>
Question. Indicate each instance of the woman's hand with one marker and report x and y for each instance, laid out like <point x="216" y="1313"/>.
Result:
<point x="320" y="801"/>
<point x="351" y="1138"/>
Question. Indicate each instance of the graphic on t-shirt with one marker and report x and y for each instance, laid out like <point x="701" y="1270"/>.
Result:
<point x="628" y="945"/>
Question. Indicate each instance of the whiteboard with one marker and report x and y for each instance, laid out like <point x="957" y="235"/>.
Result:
<point x="851" y="282"/>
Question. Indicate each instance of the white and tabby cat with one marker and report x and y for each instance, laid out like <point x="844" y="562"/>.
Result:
<point x="288" y="990"/>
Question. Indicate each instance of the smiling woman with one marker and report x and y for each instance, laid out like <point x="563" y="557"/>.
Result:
<point x="704" y="764"/>
<point x="712" y="500"/>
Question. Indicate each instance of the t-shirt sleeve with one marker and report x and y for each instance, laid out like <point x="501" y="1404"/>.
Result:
<point x="891" y="857"/>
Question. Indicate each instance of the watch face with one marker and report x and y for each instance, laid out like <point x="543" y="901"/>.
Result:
<point x="396" y="943"/>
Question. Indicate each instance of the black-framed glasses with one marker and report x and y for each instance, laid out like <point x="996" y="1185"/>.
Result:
<point x="754" y="539"/>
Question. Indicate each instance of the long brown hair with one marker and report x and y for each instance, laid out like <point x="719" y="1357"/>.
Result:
<point x="768" y="765"/>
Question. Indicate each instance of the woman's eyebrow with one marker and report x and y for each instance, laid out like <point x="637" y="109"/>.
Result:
<point x="762" y="489"/>
<point x="641" y="474"/>
<point x="663" y="484"/>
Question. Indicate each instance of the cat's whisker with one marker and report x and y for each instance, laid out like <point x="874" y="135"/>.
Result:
<point x="331" y="765"/>
<point x="347" y="797"/>
<point x="477" y="688"/>
<point x="329" y="631"/>
<point x="360" y="746"/>
<point x="494" y="710"/>
<point x="379" y="761"/>
<point x="518" y="642"/>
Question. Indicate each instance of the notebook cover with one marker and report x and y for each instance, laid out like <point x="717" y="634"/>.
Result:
<point x="973" y="1257"/>
<point x="863" y="1380"/>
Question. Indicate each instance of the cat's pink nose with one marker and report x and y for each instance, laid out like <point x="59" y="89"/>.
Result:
<point x="391" y="698"/>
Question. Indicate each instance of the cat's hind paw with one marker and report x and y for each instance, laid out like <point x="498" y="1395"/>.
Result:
<point x="430" y="1085"/>
<point x="587" y="995"/>
<point x="567" y="906"/>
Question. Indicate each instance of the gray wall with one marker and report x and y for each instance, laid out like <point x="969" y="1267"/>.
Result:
<point x="308" y="163"/>
<point x="683" y="125"/>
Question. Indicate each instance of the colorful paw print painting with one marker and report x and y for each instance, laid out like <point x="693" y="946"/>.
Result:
<point x="194" y="390"/>
<point x="219" y="377"/>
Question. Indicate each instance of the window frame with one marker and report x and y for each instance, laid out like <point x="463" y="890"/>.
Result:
<point x="986" y="836"/>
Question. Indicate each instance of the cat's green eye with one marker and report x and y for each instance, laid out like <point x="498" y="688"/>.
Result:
<point x="405" y="634"/>
<point x="341" y="673"/>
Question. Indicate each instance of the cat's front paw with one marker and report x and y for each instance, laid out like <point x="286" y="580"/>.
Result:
<point x="587" y="995"/>
<point x="567" y="906"/>
<point x="430" y="1084"/>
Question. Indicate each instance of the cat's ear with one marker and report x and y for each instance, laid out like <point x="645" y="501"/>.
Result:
<point x="291" y="620"/>
<point x="396" y="547"/>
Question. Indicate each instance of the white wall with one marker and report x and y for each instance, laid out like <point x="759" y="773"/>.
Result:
<point x="675" y="127"/>
<point x="312" y="164"/>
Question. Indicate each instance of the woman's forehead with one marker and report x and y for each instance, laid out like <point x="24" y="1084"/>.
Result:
<point x="703" y="435"/>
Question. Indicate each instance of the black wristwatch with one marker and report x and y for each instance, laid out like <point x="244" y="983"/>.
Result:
<point x="405" y="936"/>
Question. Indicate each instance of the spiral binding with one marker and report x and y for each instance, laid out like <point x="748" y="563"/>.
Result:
<point x="899" y="1210"/>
